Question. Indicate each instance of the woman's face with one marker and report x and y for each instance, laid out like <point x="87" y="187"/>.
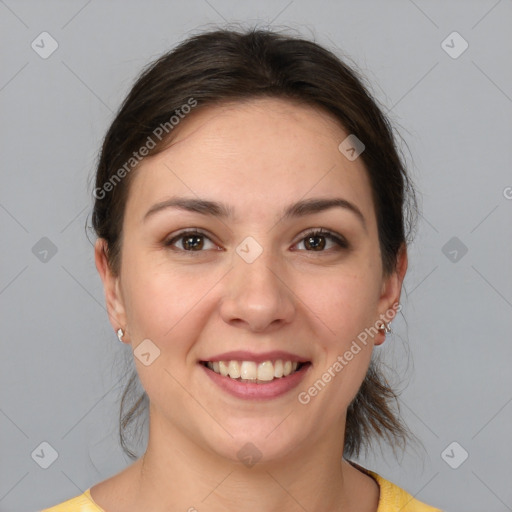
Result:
<point x="254" y="281"/>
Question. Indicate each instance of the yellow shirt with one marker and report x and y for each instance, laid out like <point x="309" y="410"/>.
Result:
<point x="392" y="499"/>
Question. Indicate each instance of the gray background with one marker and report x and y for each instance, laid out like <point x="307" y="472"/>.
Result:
<point x="62" y="364"/>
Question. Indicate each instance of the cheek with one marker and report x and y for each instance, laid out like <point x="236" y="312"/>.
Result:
<point x="344" y="306"/>
<point x="344" y="302"/>
<point x="164" y="303"/>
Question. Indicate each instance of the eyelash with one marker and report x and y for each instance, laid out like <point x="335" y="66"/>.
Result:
<point x="341" y="242"/>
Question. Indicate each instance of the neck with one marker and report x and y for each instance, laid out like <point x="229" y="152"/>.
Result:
<point x="176" y="474"/>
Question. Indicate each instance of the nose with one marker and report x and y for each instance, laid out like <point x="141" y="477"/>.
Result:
<point x="257" y="296"/>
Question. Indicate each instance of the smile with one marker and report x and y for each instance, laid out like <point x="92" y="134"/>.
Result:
<point x="250" y="371"/>
<point x="251" y="380"/>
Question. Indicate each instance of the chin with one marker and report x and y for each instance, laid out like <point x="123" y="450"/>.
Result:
<point x="256" y="442"/>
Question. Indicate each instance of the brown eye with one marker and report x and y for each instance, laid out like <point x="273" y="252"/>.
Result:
<point x="193" y="242"/>
<point x="190" y="241"/>
<point x="316" y="241"/>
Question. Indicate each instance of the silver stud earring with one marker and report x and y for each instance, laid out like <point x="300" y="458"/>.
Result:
<point x="120" y="334"/>
<point x="385" y="327"/>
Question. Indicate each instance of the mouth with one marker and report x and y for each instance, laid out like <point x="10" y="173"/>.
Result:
<point x="263" y="372"/>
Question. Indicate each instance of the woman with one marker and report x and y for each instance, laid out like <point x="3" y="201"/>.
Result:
<point x="252" y="213"/>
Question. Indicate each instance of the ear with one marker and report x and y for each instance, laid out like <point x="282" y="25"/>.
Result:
<point x="115" y="307"/>
<point x="391" y="290"/>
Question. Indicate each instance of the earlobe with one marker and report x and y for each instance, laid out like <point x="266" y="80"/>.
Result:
<point x="114" y="303"/>
<point x="390" y="293"/>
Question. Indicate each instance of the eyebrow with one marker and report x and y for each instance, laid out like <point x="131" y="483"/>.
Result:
<point x="223" y="211"/>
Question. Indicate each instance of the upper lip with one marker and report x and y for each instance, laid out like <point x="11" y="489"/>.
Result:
<point x="244" y="355"/>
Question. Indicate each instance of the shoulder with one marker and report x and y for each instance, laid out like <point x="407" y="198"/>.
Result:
<point x="395" y="499"/>
<point x="81" y="503"/>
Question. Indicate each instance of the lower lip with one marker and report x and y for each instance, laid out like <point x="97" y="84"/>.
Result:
<point x="254" y="391"/>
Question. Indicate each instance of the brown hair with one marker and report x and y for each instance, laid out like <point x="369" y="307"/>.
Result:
<point x="224" y="66"/>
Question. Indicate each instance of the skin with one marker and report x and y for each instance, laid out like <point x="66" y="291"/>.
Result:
<point x="258" y="157"/>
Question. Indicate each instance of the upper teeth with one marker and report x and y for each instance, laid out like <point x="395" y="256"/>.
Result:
<point x="249" y="370"/>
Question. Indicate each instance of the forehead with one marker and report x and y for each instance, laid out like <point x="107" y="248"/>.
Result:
<point x="255" y="155"/>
